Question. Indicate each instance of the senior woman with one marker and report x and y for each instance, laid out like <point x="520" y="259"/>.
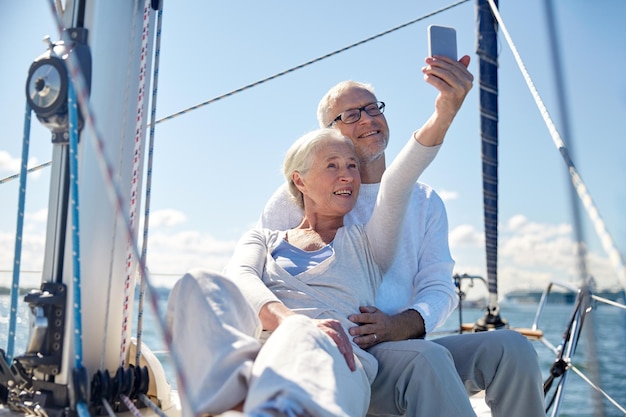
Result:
<point x="300" y="285"/>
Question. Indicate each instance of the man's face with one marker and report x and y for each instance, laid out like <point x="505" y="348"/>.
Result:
<point x="370" y="134"/>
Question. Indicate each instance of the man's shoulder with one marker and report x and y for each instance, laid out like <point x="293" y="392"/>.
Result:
<point x="424" y="191"/>
<point x="281" y="211"/>
<point x="281" y="194"/>
<point x="425" y="198"/>
<point x="422" y="187"/>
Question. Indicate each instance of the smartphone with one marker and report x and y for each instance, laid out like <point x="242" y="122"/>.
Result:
<point x="442" y="41"/>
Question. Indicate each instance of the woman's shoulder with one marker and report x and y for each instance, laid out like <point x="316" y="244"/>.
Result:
<point x="263" y="234"/>
<point x="350" y="231"/>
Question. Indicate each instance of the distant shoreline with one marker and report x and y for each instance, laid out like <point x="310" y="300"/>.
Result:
<point x="519" y="296"/>
<point x="533" y="296"/>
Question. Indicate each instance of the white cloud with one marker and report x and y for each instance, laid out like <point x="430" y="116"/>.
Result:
<point x="172" y="254"/>
<point x="521" y="225"/>
<point x="169" y="253"/>
<point x="530" y="245"/>
<point x="12" y="165"/>
<point x="530" y="255"/>
<point x="31" y="261"/>
<point x="516" y="222"/>
<point x="515" y="278"/>
<point x="8" y="163"/>
<point x="167" y="218"/>
<point x="35" y="222"/>
<point x="465" y="235"/>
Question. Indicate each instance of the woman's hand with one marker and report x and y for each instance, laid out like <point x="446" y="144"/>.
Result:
<point x="273" y="313"/>
<point x="334" y="329"/>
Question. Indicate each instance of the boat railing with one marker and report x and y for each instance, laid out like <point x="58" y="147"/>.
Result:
<point x="565" y="350"/>
<point x="545" y="296"/>
<point x="585" y="301"/>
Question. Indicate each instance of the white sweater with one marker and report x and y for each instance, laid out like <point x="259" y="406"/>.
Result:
<point x="421" y="275"/>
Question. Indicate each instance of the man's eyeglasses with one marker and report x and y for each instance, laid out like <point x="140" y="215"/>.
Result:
<point x="354" y="115"/>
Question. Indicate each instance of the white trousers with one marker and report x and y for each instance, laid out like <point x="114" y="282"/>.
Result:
<point x="298" y="371"/>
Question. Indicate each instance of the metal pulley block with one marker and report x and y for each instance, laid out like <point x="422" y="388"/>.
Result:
<point x="47" y="83"/>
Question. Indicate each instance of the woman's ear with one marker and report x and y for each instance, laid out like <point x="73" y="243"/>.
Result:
<point x="298" y="181"/>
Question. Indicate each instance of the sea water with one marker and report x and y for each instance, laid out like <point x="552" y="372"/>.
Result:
<point x="604" y="332"/>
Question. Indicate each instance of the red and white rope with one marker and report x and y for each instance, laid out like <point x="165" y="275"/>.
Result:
<point x="135" y="181"/>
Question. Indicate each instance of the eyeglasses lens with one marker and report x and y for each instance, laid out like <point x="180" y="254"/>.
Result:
<point x="354" y="115"/>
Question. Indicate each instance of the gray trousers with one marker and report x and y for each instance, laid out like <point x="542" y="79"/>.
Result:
<point x="421" y="377"/>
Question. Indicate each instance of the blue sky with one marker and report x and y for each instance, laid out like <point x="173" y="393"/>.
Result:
<point x="215" y="167"/>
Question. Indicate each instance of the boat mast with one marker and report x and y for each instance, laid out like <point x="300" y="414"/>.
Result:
<point x="487" y="51"/>
<point x="117" y="38"/>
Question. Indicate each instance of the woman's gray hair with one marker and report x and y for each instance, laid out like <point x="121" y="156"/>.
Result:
<point x="300" y="155"/>
<point x="324" y="117"/>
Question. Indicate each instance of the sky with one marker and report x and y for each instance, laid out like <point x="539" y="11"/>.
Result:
<point x="215" y="167"/>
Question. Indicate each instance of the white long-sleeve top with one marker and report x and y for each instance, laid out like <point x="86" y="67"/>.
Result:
<point x="420" y="277"/>
<point x="351" y="276"/>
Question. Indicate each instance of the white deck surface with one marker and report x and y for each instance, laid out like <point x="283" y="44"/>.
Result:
<point x="479" y="405"/>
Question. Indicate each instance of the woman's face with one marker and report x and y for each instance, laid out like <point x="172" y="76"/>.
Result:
<point x="331" y="185"/>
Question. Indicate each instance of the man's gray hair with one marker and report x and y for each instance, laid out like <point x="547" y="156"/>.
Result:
<point x="324" y="118"/>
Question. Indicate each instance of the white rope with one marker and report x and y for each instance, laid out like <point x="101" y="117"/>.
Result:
<point x="108" y="408"/>
<point x="147" y="401"/>
<point x="131" y="407"/>
<point x="114" y="191"/>
<point x="135" y="180"/>
<point x="615" y="257"/>
<point x="597" y="388"/>
<point x="146" y="217"/>
<point x="28" y="171"/>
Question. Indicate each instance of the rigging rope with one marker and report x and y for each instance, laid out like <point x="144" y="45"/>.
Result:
<point x="28" y="171"/>
<point x="135" y="180"/>
<point x="313" y="61"/>
<point x="146" y="223"/>
<point x="127" y="402"/>
<point x="81" y="406"/>
<point x="108" y="407"/>
<point x="597" y="388"/>
<point x="147" y="401"/>
<point x="115" y="193"/>
<point x="591" y="351"/>
<point x="567" y="137"/>
<point x="615" y="256"/>
<point x="17" y="258"/>
<point x="112" y="245"/>
<point x="290" y="70"/>
<point x="121" y="154"/>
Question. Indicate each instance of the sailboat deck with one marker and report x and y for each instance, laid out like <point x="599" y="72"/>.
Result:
<point x="479" y="405"/>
